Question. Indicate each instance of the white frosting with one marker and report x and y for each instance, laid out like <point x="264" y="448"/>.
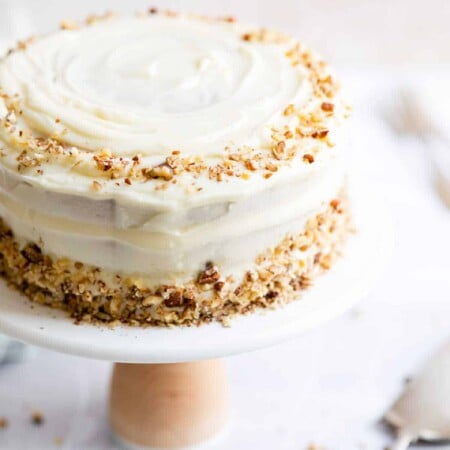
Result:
<point x="168" y="246"/>
<point x="152" y="85"/>
<point x="149" y="86"/>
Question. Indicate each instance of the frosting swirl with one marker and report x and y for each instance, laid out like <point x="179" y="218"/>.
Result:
<point x="151" y="85"/>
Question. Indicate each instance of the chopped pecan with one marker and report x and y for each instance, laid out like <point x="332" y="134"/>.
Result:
<point x="272" y="295"/>
<point x="279" y="150"/>
<point x="209" y="276"/>
<point x="319" y="134"/>
<point x="32" y="253"/>
<point x="175" y="299"/>
<point x="327" y="107"/>
<point x="162" y="171"/>
<point x="188" y="297"/>
<point x="219" y="286"/>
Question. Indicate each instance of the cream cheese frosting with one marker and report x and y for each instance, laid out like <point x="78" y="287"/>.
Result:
<point x="153" y="85"/>
<point x="238" y="130"/>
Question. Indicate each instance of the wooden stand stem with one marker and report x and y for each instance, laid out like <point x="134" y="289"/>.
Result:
<point x="168" y="406"/>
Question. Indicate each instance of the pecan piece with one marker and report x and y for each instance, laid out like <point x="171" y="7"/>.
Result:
<point x="32" y="253"/>
<point x="175" y="299"/>
<point x="209" y="276"/>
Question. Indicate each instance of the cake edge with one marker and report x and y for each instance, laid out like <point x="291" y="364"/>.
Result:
<point x="278" y="277"/>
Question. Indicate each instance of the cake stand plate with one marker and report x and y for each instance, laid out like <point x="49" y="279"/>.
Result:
<point x="340" y="288"/>
<point x="183" y="404"/>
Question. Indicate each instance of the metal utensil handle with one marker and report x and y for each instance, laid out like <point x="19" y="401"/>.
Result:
<point x="404" y="440"/>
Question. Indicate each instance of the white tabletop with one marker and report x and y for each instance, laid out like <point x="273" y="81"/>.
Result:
<point x="329" y="387"/>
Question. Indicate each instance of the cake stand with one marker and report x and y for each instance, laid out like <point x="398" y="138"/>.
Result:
<point x="169" y="387"/>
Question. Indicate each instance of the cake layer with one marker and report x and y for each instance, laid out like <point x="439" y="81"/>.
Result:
<point x="278" y="275"/>
<point x="164" y="245"/>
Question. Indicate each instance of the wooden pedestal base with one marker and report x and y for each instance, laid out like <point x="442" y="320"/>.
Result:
<point x="168" y="406"/>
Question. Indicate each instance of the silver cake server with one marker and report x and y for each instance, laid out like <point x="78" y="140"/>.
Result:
<point x="423" y="410"/>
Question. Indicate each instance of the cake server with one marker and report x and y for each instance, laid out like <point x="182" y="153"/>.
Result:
<point x="423" y="410"/>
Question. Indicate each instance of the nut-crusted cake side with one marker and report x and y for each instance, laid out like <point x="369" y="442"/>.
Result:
<point x="91" y="294"/>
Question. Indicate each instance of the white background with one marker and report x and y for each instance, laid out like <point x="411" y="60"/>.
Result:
<point x="346" y="31"/>
<point x="332" y="385"/>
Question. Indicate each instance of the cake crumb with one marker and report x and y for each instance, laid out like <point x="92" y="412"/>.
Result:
<point x="37" y="418"/>
<point x="96" y="186"/>
<point x="4" y="423"/>
<point x="315" y="447"/>
<point x="67" y="24"/>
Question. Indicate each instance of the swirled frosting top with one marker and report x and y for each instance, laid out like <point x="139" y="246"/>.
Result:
<point x="164" y="103"/>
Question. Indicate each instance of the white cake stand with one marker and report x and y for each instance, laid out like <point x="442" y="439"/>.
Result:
<point x="155" y="404"/>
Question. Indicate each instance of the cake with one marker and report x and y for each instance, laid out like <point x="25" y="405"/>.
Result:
<point x="169" y="169"/>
